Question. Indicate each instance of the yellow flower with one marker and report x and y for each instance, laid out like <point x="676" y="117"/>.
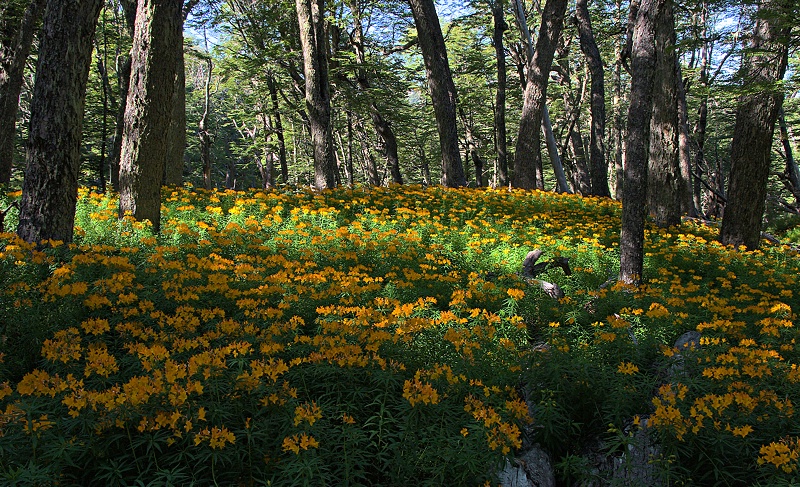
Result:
<point x="295" y="443"/>
<point x="307" y="412"/>
<point x="627" y="368"/>
<point x="416" y="391"/>
<point x="742" y="430"/>
<point x="516" y="294"/>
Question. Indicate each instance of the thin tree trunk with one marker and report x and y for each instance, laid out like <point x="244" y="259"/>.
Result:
<point x="370" y="169"/>
<point x="791" y="174"/>
<point x="501" y="137"/>
<point x="634" y="198"/>
<point x="472" y="148"/>
<point x="597" y="150"/>
<point x="702" y="112"/>
<point x="278" y="127"/>
<point x="14" y="52"/>
<point x="203" y="131"/>
<point x="382" y="127"/>
<point x="349" y="163"/>
<point x="106" y="90"/>
<point x="619" y="147"/>
<point x="755" y="125"/>
<point x="314" y="40"/>
<point x="580" y="176"/>
<point x="50" y="187"/>
<point x="123" y="82"/>
<point x="528" y="171"/>
<point x="441" y="87"/>
<point x="149" y="108"/>
<point x="684" y="149"/>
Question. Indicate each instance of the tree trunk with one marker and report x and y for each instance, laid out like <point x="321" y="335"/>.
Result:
<point x="278" y="127"/>
<point x="472" y="148"/>
<point x="382" y="127"/>
<point x="756" y="114"/>
<point x="203" y="131"/>
<point x="369" y="167"/>
<point x="50" y="188"/>
<point x="123" y="82"/>
<point x="664" y="177"/>
<point x="106" y="90"/>
<point x="791" y="174"/>
<point x="314" y="40"/>
<point x="123" y="64"/>
<point x="619" y="146"/>
<point x="702" y="113"/>
<point x="501" y="137"/>
<point x="597" y="150"/>
<point x="14" y="50"/>
<point x="528" y="155"/>
<point x="149" y="108"/>
<point x="441" y="87"/>
<point x="634" y="196"/>
<point x="176" y="138"/>
<point x="580" y="176"/>
<point x="684" y="149"/>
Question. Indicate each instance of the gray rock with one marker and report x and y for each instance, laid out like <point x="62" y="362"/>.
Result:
<point x="531" y="469"/>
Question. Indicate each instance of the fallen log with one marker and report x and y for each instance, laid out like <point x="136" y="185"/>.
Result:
<point x="531" y="268"/>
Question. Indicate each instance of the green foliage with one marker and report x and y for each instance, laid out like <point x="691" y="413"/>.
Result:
<point x="381" y="336"/>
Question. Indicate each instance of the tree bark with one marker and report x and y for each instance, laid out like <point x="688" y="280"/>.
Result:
<point x="791" y="174"/>
<point x="314" y="40"/>
<point x="664" y="176"/>
<point x="203" y="131"/>
<point x="472" y="147"/>
<point x="597" y="150"/>
<point x="684" y="146"/>
<point x="441" y="87"/>
<point x="501" y="137"/>
<point x="14" y="49"/>
<point x="528" y="172"/>
<point x="702" y="113"/>
<point x="278" y="126"/>
<point x="756" y="114"/>
<point x="634" y="193"/>
<point x="123" y="82"/>
<point x="149" y="108"/>
<point x="50" y="187"/>
<point x="176" y="138"/>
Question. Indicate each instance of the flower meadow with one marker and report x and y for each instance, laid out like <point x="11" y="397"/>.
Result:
<point x="384" y="336"/>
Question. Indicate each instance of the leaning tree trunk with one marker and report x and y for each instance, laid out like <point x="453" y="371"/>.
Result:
<point x="382" y="127"/>
<point x="501" y="143"/>
<point x="14" y="50"/>
<point x="664" y="176"/>
<point x="756" y="114"/>
<point x="149" y="108"/>
<point x="528" y="156"/>
<point x="597" y="150"/>
<point x="634" y="191"/>
<point x="442" y="89"/>
<point x="580" y="175"/>
<point x="791" y="173"/>
<point x="50" y="188"/>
